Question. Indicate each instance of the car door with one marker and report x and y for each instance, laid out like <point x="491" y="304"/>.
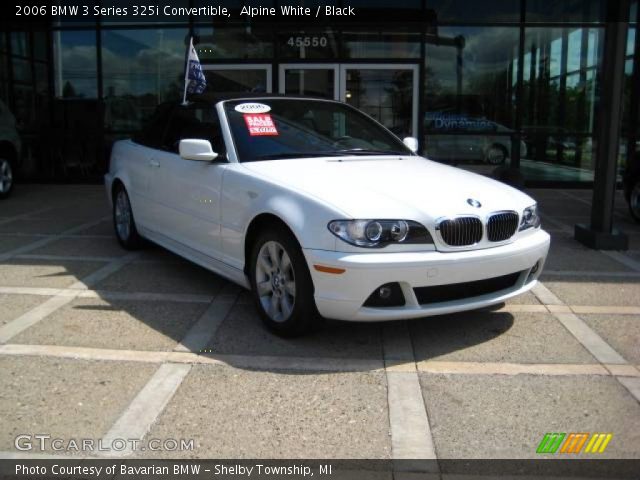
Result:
<point x="142" y="166"/>
<point x="187" y="191"/>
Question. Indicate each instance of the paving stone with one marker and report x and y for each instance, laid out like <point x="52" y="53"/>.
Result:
<point x="115" y="324"/>
<point x="496" y="337"/>
<point x="13" y="306"/>
<point x="68" y="399"/>
<point x="45" y="273"/>
<point x="243" y="333"/>
<point x="232" y="413"/>
<point x="507" y="417"/>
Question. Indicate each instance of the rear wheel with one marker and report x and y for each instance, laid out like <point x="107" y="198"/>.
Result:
<point x="496" y="155"/>
<point x="634" y="201"/>
<point x="6" y="177"/>
<point x="281" y="284"/>
<point x="123" y="221"/>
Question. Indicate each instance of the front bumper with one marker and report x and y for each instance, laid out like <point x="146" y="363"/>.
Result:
<point x="341" y="296"/>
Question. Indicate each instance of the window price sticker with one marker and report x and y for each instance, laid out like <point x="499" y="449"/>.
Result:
<point x="260" y="124"/>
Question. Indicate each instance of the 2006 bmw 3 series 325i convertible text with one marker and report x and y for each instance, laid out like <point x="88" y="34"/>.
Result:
<point x="318" y="208"/>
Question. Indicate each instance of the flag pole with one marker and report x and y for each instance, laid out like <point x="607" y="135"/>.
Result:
<point x="186" y="72"/>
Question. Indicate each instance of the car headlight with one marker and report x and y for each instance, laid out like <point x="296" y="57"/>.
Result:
<point x="530" y="218"/>
<point x="379" y="233"/>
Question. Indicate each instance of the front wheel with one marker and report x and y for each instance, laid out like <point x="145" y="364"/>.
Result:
<point x="496" y="155"/>
<point x="123" y="221"/>
<point x="281" y="284"/>
<point x="634" y="201"/>
<point x="6" y="178"/>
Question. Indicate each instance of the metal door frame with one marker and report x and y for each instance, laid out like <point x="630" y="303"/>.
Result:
<point x="415" y="68"/>
<point x="313" y="66"/>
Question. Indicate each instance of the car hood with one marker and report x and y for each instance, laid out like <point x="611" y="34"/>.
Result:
<point x="392" y="187"/>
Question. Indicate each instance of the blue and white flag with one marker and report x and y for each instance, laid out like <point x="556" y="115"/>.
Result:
<point x="194" y="79"/>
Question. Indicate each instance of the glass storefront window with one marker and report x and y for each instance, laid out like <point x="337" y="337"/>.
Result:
<point x="565" y="11"/>
<point x="40" y="46"/>
<point x="560" y="92"/>
<point x="316" y="82"/>
<point x="21" y="70"/>
<point x="576" y="159"/>
<point x="141" y="68"/>
<point x="385" y="94"/>
<point x="233" y="42"/>
<point x="469" y="93"/>
<point x="495" y="11"/>
<point x="381" y="43"/>
<point x="560" y="101"/>
<point x="628" y="92"/>
<point x="484" y="151"/>
<point x="470" y="70"/>
<point x="4" y="78"/>
<point x="19" y="44"/>
<point x="75" y="64"/>
<point x="237" y="80"/>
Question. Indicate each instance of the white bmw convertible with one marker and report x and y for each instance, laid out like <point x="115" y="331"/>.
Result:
<point x="319" y="209"/>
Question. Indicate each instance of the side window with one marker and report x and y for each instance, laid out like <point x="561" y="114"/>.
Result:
<point x="152" y="134"/>
<point x="194" y="121"/>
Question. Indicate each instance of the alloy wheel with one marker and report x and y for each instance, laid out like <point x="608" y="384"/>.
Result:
<point x="275" y="281"/>
<point x="495" y="156"/>
<point x="6" y="176"/>
<point x="123" y="215"/>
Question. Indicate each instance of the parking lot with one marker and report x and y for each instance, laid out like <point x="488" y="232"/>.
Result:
<point x="100" y="343"/>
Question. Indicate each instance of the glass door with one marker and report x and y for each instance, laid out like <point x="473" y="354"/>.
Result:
<point x="316" y="80"/>
<point x="388" y="93"/>
<point x="255" y="78"/>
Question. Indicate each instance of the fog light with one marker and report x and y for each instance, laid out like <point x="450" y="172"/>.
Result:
<point x="387" y="295"/>
<point x="533" y="271"/>
<point x="384" y="292"/>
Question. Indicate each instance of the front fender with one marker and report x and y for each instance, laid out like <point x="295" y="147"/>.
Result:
<point x="246" y="197"/>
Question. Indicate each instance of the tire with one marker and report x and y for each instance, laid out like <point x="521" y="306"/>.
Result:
<point x="281" y="284"/>
<point x="634" y="201"/>
<point x="6" y="178"/>
<point x="496" y="155"/>
<point x="124" y="224"/>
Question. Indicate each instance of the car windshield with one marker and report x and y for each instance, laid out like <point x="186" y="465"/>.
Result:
<point x="269" y="129"/>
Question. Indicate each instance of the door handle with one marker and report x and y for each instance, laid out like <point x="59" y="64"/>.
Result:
<point x="154" y="163"/>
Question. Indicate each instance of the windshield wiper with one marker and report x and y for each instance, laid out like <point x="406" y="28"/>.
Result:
<point x="276" y="156"/>
<point x="366" y="151"/>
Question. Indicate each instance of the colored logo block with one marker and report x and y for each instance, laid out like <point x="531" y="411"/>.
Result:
<point x="574" y="443"/>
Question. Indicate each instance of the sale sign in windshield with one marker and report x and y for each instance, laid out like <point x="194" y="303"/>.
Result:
<point x="260" y="124"/>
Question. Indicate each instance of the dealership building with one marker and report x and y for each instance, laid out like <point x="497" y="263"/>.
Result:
<point x="517" y="84"/>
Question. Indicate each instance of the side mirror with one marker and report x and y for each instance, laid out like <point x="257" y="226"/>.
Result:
<point x="412" y="143"/>
<point x="196" y="149"/>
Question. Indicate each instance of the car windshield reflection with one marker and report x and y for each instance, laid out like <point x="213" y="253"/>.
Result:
<point x="301" y="128"/>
